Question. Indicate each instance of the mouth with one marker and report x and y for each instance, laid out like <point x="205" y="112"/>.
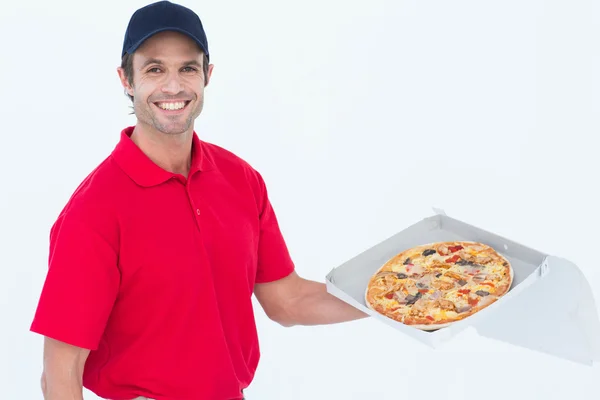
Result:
<point x="172" y="107"/>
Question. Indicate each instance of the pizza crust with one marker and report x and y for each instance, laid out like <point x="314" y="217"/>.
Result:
<point x="373" y="302"/>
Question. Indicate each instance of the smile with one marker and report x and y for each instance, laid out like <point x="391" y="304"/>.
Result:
<point x="172" y="105"/>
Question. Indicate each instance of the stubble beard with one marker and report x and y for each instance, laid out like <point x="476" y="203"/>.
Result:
<point x="168" y="125"/>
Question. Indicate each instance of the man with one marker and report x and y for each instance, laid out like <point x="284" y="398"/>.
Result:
<point x="155" y="257"/>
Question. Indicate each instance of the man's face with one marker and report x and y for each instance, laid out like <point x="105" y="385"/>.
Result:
<point x="168" y="83"/>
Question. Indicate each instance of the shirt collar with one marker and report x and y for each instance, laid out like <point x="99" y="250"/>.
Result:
<point x="135" y="163"/>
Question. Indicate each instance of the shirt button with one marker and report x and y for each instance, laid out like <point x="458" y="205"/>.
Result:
<point x="198" y="211"/>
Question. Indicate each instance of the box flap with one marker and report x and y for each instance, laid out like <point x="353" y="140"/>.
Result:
<point x="556" y="315"/>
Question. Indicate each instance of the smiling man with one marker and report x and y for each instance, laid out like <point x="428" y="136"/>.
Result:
<point x="156" y="255"/>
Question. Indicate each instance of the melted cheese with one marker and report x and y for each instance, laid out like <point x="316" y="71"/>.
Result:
<point x="457" y="298"/>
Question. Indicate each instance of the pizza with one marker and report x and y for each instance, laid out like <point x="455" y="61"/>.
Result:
<point x="433" y="285"/>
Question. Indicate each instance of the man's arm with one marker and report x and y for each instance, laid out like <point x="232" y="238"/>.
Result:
<point x="297" y="301"/>
<point x="63" y="370"/>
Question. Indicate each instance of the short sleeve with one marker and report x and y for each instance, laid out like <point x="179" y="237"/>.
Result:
<point x="274" y="260"/>
<point x="82" y="279"/>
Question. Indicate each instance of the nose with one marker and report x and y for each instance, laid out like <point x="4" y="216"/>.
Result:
<point x="172" y="85"/>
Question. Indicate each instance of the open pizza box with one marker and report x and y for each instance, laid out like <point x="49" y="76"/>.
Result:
<point x="550" y="302"/>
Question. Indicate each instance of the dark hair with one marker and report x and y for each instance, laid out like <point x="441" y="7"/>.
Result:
<point x="127" y="65"/>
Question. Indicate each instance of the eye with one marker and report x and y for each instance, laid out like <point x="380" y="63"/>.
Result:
<point x="154" y="70"/>
<point x="189" y="69"/>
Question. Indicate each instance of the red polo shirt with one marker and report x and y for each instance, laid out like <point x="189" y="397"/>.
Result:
<point x="154" y="273"/>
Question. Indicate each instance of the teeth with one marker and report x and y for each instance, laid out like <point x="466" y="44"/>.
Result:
<point x="172" y="106"/>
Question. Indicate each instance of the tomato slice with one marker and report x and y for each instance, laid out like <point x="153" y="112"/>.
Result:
<point x="473" y="301"/>
<point x="453" y="259"/>
<point x="454" y="249"/>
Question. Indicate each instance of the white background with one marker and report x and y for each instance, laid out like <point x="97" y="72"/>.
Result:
<point x="360" y="116"/>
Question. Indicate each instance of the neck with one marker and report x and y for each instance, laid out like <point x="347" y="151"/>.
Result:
<point x="172" y="153"/>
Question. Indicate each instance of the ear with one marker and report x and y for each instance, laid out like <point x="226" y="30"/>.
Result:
<point x="124" y="81"/>
<point x="209" y="74"/>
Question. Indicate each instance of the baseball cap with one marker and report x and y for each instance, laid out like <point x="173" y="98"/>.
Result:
<point x="163" y="16"/>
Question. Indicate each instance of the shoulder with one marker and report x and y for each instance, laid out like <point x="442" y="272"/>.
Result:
<point x="91" y="205"/>
<point x="223" y="158"/>
<point x="232" y="165"/>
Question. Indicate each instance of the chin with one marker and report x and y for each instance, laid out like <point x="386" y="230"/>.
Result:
<point x="173" y="130"/>
<point x="172" y="127"/>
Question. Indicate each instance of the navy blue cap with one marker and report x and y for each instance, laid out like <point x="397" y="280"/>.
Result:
<point x="163" y="16"/>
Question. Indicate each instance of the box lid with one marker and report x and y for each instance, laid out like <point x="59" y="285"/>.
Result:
<point x="556" y="315"/>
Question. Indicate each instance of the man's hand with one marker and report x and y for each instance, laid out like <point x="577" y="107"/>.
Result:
<point x="63" y="370"/>
<point x="297" y="301"/>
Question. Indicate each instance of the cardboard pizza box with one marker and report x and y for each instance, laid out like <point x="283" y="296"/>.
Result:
<point x="550" y="302"/>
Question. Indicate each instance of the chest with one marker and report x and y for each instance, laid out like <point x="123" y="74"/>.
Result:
<point x="188" y="238"/>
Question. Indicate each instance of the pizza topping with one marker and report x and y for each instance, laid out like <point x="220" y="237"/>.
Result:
<point x="412" y="299"/>
<point x="482" y="293"/>
<point x="464" y="291"/>
<point x="401" y="275"/>
<point x="428" y="252"/>
<point x="443" y="249"/>
<point x="384" y="274"/>
<point x="477" y="258"/>
<point x="463" y="308"/>
<point x="480" y="277"/>
<point x="466" y="262"/>
<point x="400" y="297"/>
<point x="435" y="295"/>
<point x="416" y="269"/>
<point x="442" y="285"/>
<point x="462" y="282"/>
<point x="483" y="259"/>
<point x="425" y="280"/>
<point x="486" y="301"/>
<point x="454" y="275"/>
<point x="438" y="275"/>
<point x="454" y="249"/>
<point x="446" y="305"/>
<point x="407" y="261"/>
<point x="453" y="259"/>
<point x="472" y="270"/>
<point x="473" y="301"/>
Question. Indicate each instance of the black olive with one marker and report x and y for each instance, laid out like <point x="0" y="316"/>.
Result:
<point x="400" y="275"/>
<point x="482" y="293"/>
<point x="421" y="286"/>
<point x="438" y="275"/>
<point x="412" y="299"/>
<point x="429" y="252"/>
<point x="407" y="261"/>
<point x="469" y="263"/>
<point x="462" y="282"/>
